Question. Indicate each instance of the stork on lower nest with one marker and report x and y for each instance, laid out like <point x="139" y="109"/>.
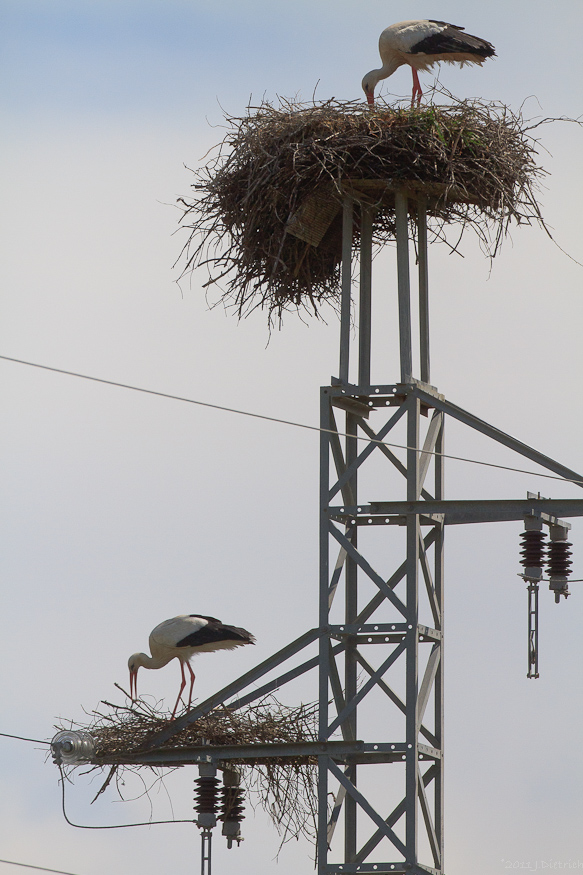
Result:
<point x="182" y="638"/>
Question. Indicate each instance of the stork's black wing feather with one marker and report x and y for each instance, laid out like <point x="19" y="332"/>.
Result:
<point x="452" y="40"/>
<point x="215" y="631"/>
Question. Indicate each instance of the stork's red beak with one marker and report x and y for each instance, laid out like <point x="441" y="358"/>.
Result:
<point x="134" y="685"/>
<point x="370" y="98"/>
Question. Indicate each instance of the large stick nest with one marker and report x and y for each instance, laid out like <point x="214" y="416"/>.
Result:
<point x="265" y="214"/>
<point x="123" y="730"/>
<point x="284" y="787"/>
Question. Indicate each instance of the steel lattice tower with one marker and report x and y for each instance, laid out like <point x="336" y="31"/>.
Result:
<point x="402" y="622"/>
<point x="386" y="623"/>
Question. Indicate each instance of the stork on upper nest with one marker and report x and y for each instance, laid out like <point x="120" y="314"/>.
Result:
<point x="422" y="44"/>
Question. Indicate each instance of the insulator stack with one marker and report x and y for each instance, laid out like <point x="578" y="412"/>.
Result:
<point x="206" y="800"/>
<point x="232" y="806"/>
<point x="558" y="562"/>
<point x="533" y="549"/>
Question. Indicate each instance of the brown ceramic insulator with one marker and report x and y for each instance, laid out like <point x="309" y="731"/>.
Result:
<point x="558" y="562"/>
<point x="533" y="549"/>
<point x="232" y="804"/>
<point x="206" y="795"/>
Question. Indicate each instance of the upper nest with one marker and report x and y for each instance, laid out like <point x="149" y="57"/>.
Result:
<point x="265" y="215"/>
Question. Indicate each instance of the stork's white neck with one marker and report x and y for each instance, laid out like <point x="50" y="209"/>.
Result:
<point x="145" y="661"/>
<point x="388" y="68"/>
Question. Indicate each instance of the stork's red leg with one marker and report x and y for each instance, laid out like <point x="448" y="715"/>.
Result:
<point x="417" y="93"/>
<point x="189" y="667"/>
<point x="182" y="685"/>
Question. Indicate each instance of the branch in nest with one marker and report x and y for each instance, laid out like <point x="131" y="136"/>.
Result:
<point x="105" y="784"/>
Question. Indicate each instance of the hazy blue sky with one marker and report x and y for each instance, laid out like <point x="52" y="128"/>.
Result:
<point x="119" y="509"/>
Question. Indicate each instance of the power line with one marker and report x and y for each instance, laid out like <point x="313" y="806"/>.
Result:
<point x="108" y="826"/>
<point x="39" y="868"/>
<point x="286" y="421"/>
<point x="70" y="822"/>
<point x="22" y="738"/>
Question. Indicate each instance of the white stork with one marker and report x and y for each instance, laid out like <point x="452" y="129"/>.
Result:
<point x="182" y="637"/>
<point x="422" y="44"/>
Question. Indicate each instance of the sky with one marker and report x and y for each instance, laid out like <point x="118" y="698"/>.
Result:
<point x="121" y="509"/>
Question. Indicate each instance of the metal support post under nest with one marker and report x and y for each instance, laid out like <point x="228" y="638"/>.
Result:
<point x="400" y="642"/>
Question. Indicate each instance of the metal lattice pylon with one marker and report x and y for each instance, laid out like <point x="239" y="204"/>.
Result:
<point x="387" y="621"/>
<point x="403" y="618"/>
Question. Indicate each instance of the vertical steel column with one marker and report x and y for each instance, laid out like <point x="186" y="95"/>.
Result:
<point x="364" y="327"/>
<point x="439" y="595"/>
<point x="350" y="659"/>
<point x="423" y="288"/>
<point x="351" y="569"/>
<point x="532" y="630"/>
<point x="402" y="225"/>
<point x="412" y="656"/>
<point x="357" y="571"/>
<point x="347" y="233"/>
<point x="324" y="653"/>
<point x="205" y="852"/>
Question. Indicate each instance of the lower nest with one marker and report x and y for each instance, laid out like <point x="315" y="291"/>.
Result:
<point x="265" y="215"/>
<point x="285" y="787"/>
<point x="126" y="731"/>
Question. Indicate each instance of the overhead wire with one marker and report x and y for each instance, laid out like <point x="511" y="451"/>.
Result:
<point x="39" y="868"/>
<point x="108" y="826"/>
<point x="288" y="421"/>
<point x="79" y="825"/>
<point x="22" y="738"/>
<point x="15" y="862"/>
